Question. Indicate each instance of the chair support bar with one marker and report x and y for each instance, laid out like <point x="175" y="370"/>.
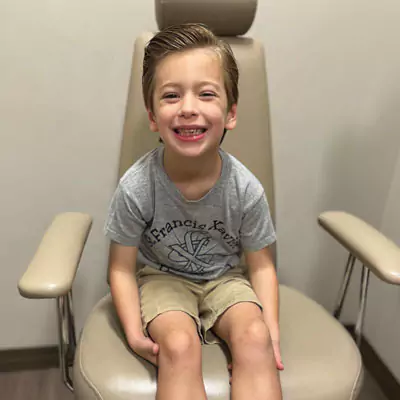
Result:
<point x="363" y="296"/>
<point x="67" y="337"/>
<point x="343" y="290"/>
<point x="363" y="302"/>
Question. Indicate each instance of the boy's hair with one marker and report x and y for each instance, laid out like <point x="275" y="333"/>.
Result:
<point x="178" y="38"/>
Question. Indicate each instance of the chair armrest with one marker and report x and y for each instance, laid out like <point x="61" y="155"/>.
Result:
<point x="367" y="244"/>
<point x="52" y="269"/>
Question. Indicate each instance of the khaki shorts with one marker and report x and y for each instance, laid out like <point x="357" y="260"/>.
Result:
<point x="204" y="302"/>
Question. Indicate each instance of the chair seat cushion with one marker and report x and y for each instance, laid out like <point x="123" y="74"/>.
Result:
<point x="321" y="359"/>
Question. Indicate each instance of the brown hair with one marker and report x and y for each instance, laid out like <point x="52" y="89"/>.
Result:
<point x="183" y="37"/>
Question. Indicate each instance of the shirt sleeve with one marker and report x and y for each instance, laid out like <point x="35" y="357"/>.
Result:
<point x="124" y="223"/>
<point x="257" y="229"/>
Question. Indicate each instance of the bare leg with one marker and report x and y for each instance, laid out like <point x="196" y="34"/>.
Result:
<point x="254" y="372"/>
<point x="179" y="359"/>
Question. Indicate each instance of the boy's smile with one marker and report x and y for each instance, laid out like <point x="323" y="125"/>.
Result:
<point x="190" y="108"/>
<point x="190" y="132"/>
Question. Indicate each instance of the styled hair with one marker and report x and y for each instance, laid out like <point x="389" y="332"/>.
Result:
<point x="178" y="38"/>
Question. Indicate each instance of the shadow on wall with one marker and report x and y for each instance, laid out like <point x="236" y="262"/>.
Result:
<point x="356" y="177"/>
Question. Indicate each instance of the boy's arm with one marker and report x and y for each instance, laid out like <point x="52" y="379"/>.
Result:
<point x="125" y="295"/>
<point x="124" y="288"/>
<point x="264" y="281"/>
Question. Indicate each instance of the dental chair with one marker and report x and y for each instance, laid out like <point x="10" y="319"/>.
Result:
<point x="322" y="361"/>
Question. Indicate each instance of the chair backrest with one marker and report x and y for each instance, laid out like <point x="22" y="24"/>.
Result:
<point x="250" y="141"/>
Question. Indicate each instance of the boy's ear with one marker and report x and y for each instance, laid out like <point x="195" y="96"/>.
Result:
<point x="231" y="118"/>
<point x="152" y="120"/>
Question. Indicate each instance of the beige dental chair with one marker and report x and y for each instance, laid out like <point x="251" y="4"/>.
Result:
<point x="322" y="361"/>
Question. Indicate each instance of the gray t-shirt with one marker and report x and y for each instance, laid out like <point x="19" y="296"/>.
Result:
<point x="200" y="239"/>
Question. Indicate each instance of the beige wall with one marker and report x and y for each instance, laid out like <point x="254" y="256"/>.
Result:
<point x="383" y="320"/>
<point x="64" y="73"/>
<point x="334" y="89"/>
<point x="64" y="69"/>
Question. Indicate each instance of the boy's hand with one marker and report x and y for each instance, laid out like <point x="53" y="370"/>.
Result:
<point x="145" y="348"/>
<point x="277" y="353"/>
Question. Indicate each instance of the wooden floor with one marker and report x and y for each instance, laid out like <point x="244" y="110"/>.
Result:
<point x="33" y="385"/>
<point x="47" y="385"/>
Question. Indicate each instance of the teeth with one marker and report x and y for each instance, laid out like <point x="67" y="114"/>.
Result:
<point x="190" y="132"/>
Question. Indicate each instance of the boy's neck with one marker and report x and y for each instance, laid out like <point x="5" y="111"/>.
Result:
<point x="182" y="169"/>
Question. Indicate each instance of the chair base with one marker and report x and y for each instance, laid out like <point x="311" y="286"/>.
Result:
<point x="321" y="359"/>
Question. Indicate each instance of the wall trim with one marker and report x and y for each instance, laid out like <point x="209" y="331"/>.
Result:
<point x="29" y="359"/>
<point x="377" y="368"/>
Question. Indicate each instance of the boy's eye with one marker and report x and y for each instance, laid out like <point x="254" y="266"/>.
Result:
<point x="207" y="94"/>
<point x="170" y="96"/>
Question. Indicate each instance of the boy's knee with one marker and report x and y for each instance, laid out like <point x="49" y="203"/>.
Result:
<point x="180" y="345"/>
<point x="252" y="339"/>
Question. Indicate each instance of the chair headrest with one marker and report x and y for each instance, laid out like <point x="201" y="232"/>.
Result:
<point x="223" y="17"/>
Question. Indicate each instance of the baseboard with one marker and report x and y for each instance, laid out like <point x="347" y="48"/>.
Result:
<point x="378" y="369"/>
<point x="28" y="359"/>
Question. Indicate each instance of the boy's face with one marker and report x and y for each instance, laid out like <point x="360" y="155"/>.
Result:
<point x="190" y="103"/>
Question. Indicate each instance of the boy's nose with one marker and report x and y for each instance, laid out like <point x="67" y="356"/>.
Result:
<point x="188" y="106"/>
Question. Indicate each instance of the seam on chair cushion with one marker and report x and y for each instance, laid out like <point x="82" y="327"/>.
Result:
<point x="85" y="377"/>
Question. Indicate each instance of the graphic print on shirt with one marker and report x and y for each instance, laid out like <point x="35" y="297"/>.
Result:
<point x="190" y="247"/>
<point x="195" y="254"/>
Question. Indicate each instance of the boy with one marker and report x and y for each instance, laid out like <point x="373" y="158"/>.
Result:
<point x="186" y="211"/>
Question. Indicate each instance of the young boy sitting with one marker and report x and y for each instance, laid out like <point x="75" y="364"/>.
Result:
<point x="186" y="211"/>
